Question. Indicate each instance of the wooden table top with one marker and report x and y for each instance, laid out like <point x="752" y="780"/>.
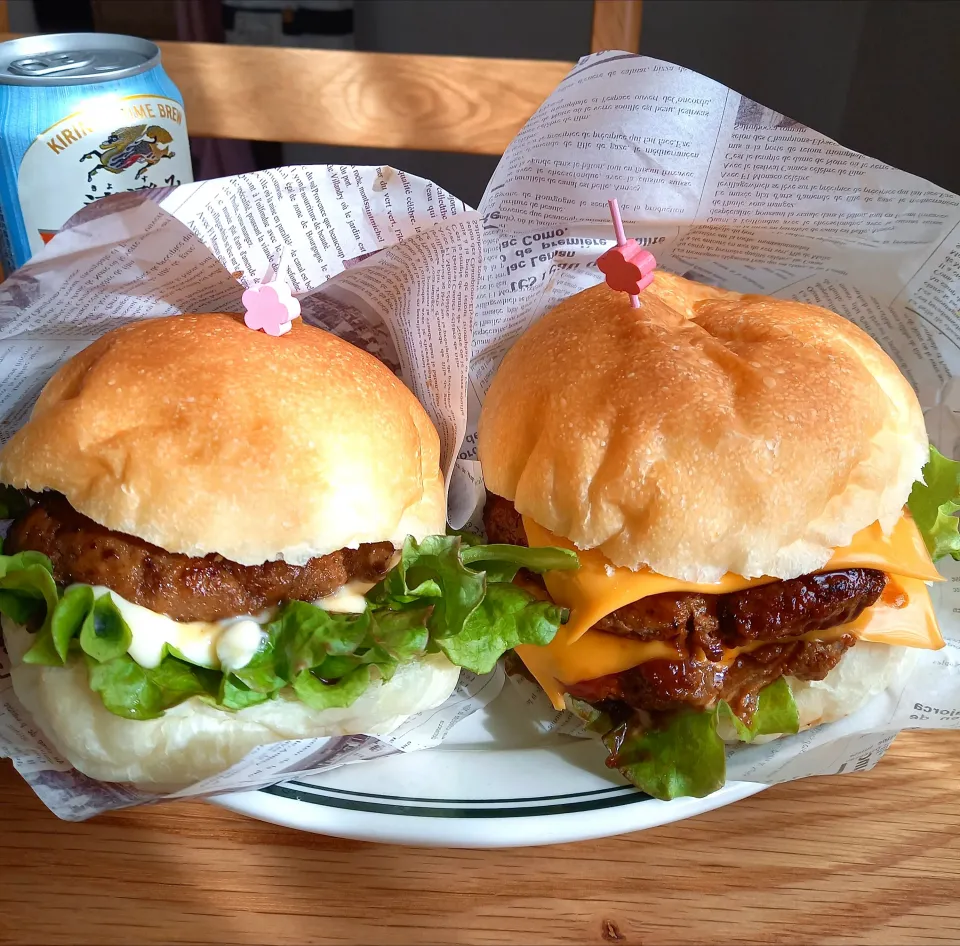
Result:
<point x="870" y="858"/>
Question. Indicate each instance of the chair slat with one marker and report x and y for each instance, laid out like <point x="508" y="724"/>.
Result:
<point x="616" y="25"/>
<point x="336" y="97"/>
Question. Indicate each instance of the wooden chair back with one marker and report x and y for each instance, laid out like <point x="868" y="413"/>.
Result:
<point x="337" y="97"/>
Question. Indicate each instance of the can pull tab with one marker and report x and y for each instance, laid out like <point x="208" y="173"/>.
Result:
<point x="49" y="65"/>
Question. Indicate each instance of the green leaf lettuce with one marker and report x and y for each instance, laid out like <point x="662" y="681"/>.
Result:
<point x="448" y="594"/>
<point x="933" y="502"/>
<point x="681" y="753"/>
<point x="136" y="692"/>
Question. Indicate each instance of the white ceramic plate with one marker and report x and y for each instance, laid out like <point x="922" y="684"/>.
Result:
<point x="496" y="782"/>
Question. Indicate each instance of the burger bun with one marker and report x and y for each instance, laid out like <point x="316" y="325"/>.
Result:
<point x="864" y="673"/>
<point x="706" y="432"/>
<point x="200" y="436"/>
<point x="194" y="740"/>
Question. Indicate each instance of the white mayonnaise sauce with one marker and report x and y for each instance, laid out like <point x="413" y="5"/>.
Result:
<point x="348" y="599"/>
<point x="239" y="642"/>
<point x="230" y="643"/>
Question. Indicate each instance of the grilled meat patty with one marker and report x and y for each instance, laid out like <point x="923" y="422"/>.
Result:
<point x="780" y="610"/>
<point x="184" y="588"/>
<point x="772" y="612"/>
<point x="502" y="521"/>
<point x="663" y="685"/>
<point x="704" y="626"/>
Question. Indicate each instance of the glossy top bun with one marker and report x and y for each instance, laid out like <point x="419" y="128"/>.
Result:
<point x="703" y="433"/>
<point x="199" y="435"/>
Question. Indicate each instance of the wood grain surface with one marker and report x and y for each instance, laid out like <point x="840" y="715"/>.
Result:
<point x="337" y="97"/>
<point x="871" y="858"/>
<point x="616" y="25"/>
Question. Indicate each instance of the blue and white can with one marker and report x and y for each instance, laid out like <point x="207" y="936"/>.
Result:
<point x="82" y="116"/>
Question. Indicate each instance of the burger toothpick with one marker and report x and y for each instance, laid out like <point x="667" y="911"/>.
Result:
<point x="270" y="304"/>
<point x="627" y="266"/>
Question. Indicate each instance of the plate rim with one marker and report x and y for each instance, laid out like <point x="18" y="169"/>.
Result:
<point x="622" y="809"/>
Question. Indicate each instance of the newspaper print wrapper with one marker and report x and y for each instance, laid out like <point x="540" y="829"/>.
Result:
<point x="728" y="192"/>
<point x="386" y="260"/>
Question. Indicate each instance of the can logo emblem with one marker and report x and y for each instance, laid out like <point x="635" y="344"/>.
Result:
<point x="108" y="146"/>
<point x="130" y="145"/>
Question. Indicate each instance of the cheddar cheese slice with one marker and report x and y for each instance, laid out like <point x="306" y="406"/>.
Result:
<point x="595" y="654"/>
<point x="598" y="588"/>
<point x="913" y="625"/>
<point x="900" y="553"/>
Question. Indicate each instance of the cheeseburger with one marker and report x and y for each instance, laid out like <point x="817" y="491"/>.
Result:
<point x="224" y="539"/>
<point x="733" y="471"/>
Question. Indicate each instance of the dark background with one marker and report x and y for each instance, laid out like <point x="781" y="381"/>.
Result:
<point x="879" y="76"/>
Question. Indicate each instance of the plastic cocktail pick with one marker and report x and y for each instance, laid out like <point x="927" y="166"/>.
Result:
<point x="270" y="305"/>
<point x="627" y="266"/>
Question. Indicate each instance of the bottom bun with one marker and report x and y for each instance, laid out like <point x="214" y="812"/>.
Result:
<point x="863" y="673"/>
<point x="193" y="740"/>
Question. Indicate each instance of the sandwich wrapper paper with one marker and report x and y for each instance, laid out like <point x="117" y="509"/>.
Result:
<point x="718" y="187"/>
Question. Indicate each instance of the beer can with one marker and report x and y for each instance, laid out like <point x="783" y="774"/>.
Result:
<point x="82" y="116"/>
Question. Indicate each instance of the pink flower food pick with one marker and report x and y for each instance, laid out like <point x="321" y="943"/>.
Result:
<point x="627" y="266"/>
<point x="271" y="307"/>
